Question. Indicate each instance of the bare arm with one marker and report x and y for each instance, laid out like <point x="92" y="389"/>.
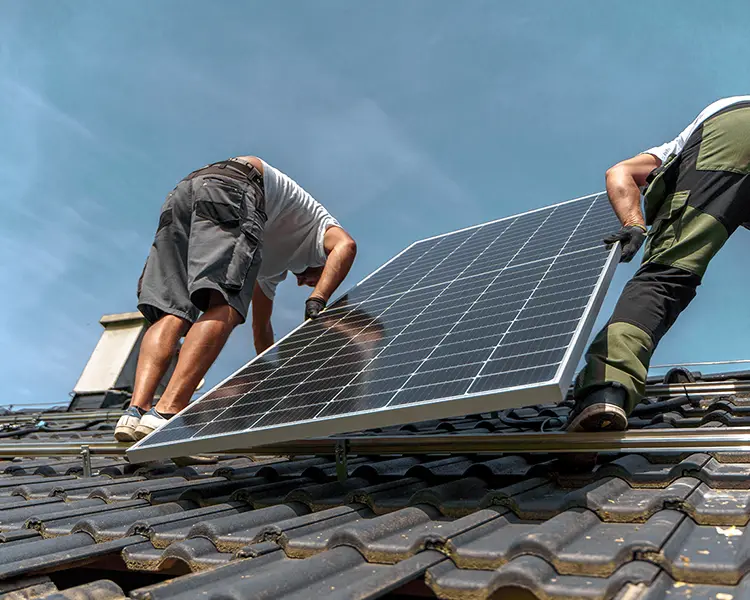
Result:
<point x="262" y="330"/>
<point x="623" y="183"/>
<point x="341" y="250"/>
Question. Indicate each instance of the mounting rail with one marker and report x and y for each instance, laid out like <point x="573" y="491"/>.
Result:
<point x="72" y="417"/>
<point x="52" y="449"/>
<point x="650" y="440"/>
<point x="718" y="439"/>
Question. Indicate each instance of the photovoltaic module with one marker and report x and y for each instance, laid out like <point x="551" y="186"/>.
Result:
<point x="481" y="319"/>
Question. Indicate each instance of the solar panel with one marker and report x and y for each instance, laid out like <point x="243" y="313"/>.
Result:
<point x="480" y="319"/>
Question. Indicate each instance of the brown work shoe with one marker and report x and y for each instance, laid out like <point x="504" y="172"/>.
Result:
<point x="601" y="410"/>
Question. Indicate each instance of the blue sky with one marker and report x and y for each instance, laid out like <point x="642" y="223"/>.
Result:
<point x="405" y="119"/>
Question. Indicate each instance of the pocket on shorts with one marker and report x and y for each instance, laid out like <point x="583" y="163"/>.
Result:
<point x="248" y="252"/>
<point x="219" y="202"/>
<point x="223" y="240"/>
<point x="166" y="216"/>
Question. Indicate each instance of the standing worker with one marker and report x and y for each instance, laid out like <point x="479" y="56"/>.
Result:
<point x="698" y="194"/>
<point x="228" y="234"/>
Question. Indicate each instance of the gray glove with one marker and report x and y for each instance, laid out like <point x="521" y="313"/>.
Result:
<point x="313" y="306"/>
<point x="631" y="237"/>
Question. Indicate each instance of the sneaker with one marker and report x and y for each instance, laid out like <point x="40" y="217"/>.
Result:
<point x="125" y="429"/>
<point x="151" y="421"/>
<point x="601" y="410"/>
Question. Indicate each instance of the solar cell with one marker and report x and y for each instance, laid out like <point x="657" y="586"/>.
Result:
<point x="480" y="319"/>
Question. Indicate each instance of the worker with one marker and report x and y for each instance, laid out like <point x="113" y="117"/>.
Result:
<point x="697" y="193"/>
<point x="228" y="234"/>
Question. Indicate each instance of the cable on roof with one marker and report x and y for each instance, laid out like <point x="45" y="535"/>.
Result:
<point x="42" y="427"/>
<point x="18" y="432"/>
<point x="534" y="423"/>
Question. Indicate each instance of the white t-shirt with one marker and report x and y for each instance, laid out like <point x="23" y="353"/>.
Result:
<point x="674" y="147"/>
<point x="294" y="232"/>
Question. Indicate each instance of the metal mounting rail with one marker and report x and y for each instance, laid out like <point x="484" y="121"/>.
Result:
<point x="643" y="440"/>
<point x="717" y="439"/>
<point x="73" y="417"/>
<point x="10" y="450"/>
<point x="708" y="388"/>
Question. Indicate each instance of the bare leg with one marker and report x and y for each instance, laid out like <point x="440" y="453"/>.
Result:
<point x="157" y="349"/>
<point x="202" y="345"/>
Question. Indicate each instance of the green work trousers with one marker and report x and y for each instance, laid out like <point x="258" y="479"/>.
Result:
<point x="693" y="204"/>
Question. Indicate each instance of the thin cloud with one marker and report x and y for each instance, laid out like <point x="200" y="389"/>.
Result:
<point x="32" y="100"/>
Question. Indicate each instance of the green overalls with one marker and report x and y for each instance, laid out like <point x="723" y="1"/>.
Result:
<point x="694" y="202"/>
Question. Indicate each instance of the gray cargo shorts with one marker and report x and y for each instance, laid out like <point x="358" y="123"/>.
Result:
<point x="209" y="237"/>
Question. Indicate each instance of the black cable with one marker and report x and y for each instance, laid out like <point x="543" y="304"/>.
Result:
<point x="47" y="429"/>
<point x="72" y="427"/>
<point x="18" y="432"/>
<point x="534" y="424"/>
<point x="663" y="406"/>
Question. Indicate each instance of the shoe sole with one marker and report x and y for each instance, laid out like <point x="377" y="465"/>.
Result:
<point x="599" y="417"/>
<point x="141" y="432"/>
<point x="126" y="432"/>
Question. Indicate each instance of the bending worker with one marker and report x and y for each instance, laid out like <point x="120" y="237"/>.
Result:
<point x="228" y="234"/>
<point x="697" y="195"/>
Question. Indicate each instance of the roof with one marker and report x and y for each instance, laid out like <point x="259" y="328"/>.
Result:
<point x="513" y="526"/>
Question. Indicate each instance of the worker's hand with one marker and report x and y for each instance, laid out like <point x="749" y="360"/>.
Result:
<point x="313" y="306"/>
<point x="631" y="237"/>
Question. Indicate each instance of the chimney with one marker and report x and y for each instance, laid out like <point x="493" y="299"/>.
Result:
<point x="108" y="378"/>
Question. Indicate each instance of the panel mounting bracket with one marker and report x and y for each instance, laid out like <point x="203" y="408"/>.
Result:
<point x="86" y="458"/>
<point x="340" y="450"/>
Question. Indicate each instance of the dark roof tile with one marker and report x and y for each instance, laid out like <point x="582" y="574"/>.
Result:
<point x="17" y="536"/>
<point x="341" y="573"/>
<point x="326" y="495"/>
<point x="14" y="513"/>
<point x="708" y="506"/>
<point x="630" y="526"/>
<point x="612" y="499"/>
<point x="9" y="484"/>
<point x="309" y="534"/>
<point x="232" y="532"/>
<point x="386" y="497"/>
<point x="639" y="471"/>
<point x="63" y="552"/>
<point x="96" y="590"/>
<point x="538" y="577"/>
<point x="115" y="524"/>
<point x="706" y="554"/>
<point x="574" y="542"/>
<point x="395" y="467"/>
<point x="197" y="554"/>
<point x="26" y="587"/>
<point x="400" y="535"/>
<point x="263" y="494"/>
<point x="666" y="588"/>
<point x="456" y="498"/>
<point x="66" y="515"/>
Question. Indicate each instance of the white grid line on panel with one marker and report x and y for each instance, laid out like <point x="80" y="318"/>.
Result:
<point x="528" y="239"/>
<point x="479" y="374"/>
<point x="350" y="341"/>
<point x="313" y="339"/>
<point x="417" y="316"/>
<point x="481" y="274"/>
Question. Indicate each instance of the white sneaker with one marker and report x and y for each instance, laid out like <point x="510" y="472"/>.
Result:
<point x="125" y="429"/>
<point x="149" y="422"/>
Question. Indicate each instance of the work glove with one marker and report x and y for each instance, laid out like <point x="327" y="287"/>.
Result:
<point x="631" y="237"/>
<point x="313" y="306"/>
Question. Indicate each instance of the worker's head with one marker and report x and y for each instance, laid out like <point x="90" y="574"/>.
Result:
<point x="309" y="277"/>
